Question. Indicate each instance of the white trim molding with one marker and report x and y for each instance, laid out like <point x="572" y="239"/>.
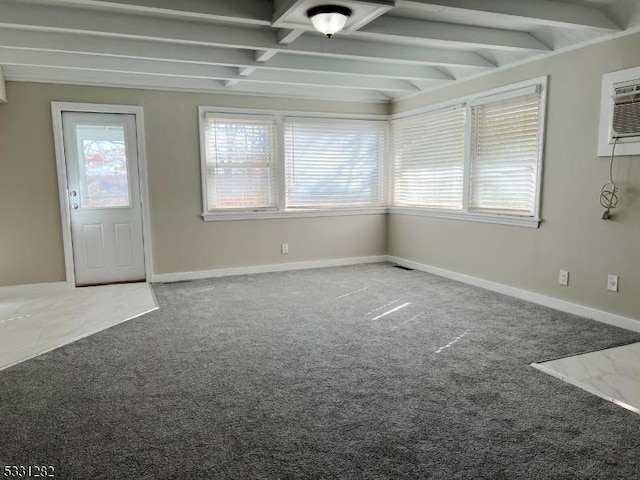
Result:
<point x="3" y="89"/>
<point x="56" y="111"/>
<point x="203" y="109"/>
<point x="515" y="220"/>
<point x="527" y="295"/>
<point x="274" y="267"/>
<point x="265" y="215"/>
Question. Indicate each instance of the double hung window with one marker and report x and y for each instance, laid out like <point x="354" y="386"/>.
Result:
<point x="479" y="159"/>
<point x="240" y="171"/>
<point x="254" y="164"/>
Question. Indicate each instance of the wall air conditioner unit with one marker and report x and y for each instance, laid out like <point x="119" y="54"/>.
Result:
<point x="626" y="111"/>
<point x="620" y="113"/>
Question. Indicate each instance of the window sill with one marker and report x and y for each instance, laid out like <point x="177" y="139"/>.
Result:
<point x="519" y="221"/>
<point x="266" y="215"/>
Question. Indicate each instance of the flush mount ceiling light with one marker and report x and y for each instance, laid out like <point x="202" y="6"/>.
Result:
<point x="329" y="19"/>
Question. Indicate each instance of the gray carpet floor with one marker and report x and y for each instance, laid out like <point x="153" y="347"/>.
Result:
<point x="300" y="375"/>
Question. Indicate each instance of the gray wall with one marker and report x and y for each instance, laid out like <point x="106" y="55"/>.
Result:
<point x="31" y="249"/>
<point x="572" y="235"/>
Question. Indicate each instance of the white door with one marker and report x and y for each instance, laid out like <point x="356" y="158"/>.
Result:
<point x="104" y="197"/>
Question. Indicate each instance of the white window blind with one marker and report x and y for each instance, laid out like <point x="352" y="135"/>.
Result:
<point x="240" y="162"/>
<point x="429" y="159"/>
<point x="505" y="152"/>
<point x="334" y="164"/>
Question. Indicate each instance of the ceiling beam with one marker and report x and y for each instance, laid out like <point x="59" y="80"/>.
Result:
<point x="447" y="35"/>
<point x="177" y="53"/>
<point x="546" y="13"/>
<point x="246" y="71"/>
<point x="246" y="12"/>
<point x="320" y="79"/>
<point x="10" y="56"/>
<point x="123" y="47"/>
<point x="116" y="79"/>
<point x="229" y="74"/>
<point x="356" y="67"/>
<point x="386" y="52"/>
<point x="287" y="35"/>
<point x="36" y="17"/>
<point x="328" y="93"/>
<point x="263" y="56"/>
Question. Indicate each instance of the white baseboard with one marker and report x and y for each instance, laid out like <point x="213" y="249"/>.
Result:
<point x="552" y="302"/>
<point x="275" y="267"/>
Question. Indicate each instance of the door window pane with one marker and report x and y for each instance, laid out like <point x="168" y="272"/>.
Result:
<point x="102" y="154"/>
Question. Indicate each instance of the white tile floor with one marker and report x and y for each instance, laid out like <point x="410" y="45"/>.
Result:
<point x="613" y="374"/>
<point x="37" y="318"/>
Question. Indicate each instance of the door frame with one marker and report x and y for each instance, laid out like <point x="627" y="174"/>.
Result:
<point x="57" y="108"/>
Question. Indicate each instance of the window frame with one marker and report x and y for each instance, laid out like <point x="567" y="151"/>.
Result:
<point x="281" y="210"/>
<point x="497" y="94"/>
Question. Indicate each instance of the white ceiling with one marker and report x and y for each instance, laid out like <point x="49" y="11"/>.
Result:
<point x="388" y="50"/>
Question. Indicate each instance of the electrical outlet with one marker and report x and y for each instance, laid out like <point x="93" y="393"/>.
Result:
<point x="285" y="248"/>
<point x="563" y="278"/>
<point x="612" y="283"/>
